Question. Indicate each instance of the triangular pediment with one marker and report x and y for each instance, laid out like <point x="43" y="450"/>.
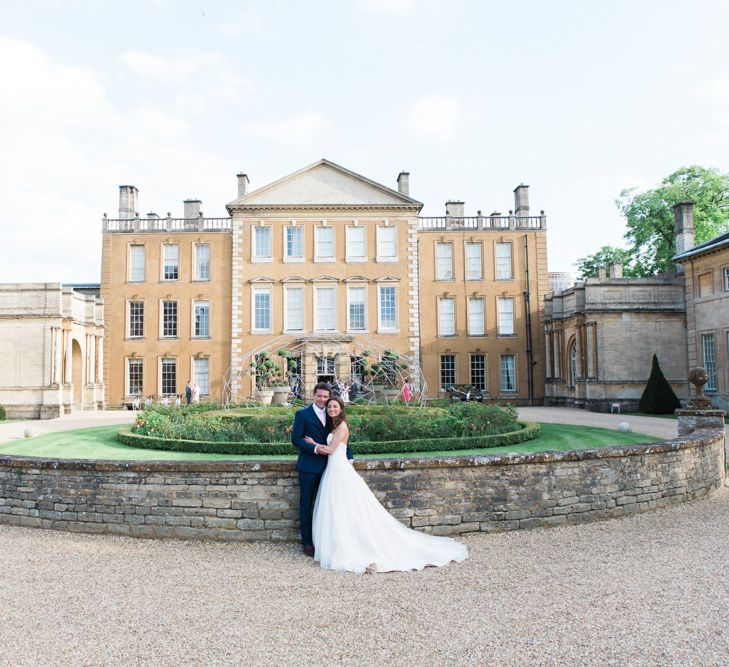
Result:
<point x="324" y="184"/>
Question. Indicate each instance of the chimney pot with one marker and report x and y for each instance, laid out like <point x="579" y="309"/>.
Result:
<point x="403" y="183"/>
<point x="521" y="200"/>
<point x="455" y="209"/>
<point x="243" y="184"/>
<point x="127" y="202"/>
<point x="684" y="215"/>
<point x="192" y="208"/>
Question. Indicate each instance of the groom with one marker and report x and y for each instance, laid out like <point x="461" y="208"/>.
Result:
<point x="312" y="422"/>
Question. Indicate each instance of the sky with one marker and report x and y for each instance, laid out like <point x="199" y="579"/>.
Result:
<point x="580" y="100"/>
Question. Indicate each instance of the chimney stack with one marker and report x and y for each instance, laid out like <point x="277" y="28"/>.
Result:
<point x="403" y="183"/>
<point x="127" y="202"/>
<point x="455" y="209"/>
<point x="616" y="269"/>
<point x="521" y="200"/>
<point x="684" y="214"/>
<point x="243" y="183"/>
<point x="601" y="273"/>
<point x="192" y="208"/>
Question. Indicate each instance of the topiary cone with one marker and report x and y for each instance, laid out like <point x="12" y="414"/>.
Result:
<point x="658" y="396"/>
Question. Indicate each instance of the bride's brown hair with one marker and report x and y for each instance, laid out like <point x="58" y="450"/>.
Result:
<point x="342" y="415"/>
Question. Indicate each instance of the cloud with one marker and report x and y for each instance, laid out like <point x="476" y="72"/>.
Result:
<point x="66" y="145"/>
<point x="435" y="116"/>
<point x="399" y="7"/>
<point x="299" y="129"/>
<point x="716" y="92"/>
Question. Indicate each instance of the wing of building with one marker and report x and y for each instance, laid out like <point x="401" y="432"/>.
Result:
<point x="336" y="267"/>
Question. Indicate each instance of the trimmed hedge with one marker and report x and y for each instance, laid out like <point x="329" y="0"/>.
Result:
<point x="529" y="431"/>
<point x="3" y="414"/>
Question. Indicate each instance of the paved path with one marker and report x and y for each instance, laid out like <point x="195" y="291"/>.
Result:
<point x="14" y="430"/>
<point x="643" y="590"/>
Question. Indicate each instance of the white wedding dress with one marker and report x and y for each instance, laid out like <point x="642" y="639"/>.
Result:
<point x="354" y="533"/>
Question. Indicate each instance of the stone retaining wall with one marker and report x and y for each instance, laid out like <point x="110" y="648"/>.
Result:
<point x="446" y="496"/>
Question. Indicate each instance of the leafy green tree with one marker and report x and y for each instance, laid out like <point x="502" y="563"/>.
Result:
<point x="587" y="266"/>
<point x="650" y="221"/>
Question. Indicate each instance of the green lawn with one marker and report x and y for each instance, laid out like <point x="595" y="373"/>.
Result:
<point x="99" y="443"/>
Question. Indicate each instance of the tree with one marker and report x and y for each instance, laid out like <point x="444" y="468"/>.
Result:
<point x="650" y="221"/>
<point x="658" y="396"/>
<point x="587" y="266"/>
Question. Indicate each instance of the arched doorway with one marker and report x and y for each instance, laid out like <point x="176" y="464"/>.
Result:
<point x="77" y="362"/>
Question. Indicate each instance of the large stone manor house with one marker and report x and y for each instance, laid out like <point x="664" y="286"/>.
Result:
<point x="328" y="263"/>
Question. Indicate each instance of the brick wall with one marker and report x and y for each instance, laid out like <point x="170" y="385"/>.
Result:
<point x="259" y="501"/>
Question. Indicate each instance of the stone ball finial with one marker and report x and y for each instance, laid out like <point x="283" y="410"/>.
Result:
<point x="698" y="377"/>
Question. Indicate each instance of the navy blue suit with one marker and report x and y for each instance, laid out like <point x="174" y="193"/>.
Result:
<point x="310" y="466"/>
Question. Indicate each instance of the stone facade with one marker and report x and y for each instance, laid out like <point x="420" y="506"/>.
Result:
<point x="601" y="335"/>
<point x="322" y="234"/>
<point x="706" y="276"/>
<point x="52" y="340"/>
<point x="259" y="501"/>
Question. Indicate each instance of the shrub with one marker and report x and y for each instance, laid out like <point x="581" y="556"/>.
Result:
<point x="373" y="429"/>
<point x="3" y="414"/>
<point x="524" y="432"/>
<point x="658" y="396"/>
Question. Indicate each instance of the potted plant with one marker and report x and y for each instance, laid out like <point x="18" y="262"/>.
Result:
<point x="263" y="372"/>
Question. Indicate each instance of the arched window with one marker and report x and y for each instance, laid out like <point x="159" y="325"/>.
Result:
<point x="572" y="356"/>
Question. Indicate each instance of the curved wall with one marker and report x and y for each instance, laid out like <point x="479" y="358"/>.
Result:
<point x="447" y="496"/>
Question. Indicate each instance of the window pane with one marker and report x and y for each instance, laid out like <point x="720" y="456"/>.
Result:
<point x="446" y="317"/>
<point x="388" y="309"/>
<point x="726" y="280"/>
<point x="294" y="242"/>
<point x="202" y="261"/>
<point x="506" y="316"/>
<point x="262" y="243"/>
<point x="171" y="262"/>
<point x="136" y="263"/>
<point x="386" y="242"/>
<point x="326" y="316"/>
<point x="508" y="372"/>
<point x="573" y="365"/>
<point x="357" y="320"/>
<point x="202" y="375"/>
<point x="478" y="371"/>
<point x="169" y="319"/>
<point x="444" y="261"/>
<point x="355" y="241"/>
<point x="475" y="317"/>
<point x="503" y="261"/>
<point x="324" y="242"/>
<point x="202" y="319"/>
<point x="447" y="370"/>
<point x="136" y="319"/>
<point x="474" y="269"/>
<point x="135" y="376"/>
<point x="262" y="310"/>
<point x="169" y="376"/>
<point x="709" y="354"/>
<point x="294" y="308"/>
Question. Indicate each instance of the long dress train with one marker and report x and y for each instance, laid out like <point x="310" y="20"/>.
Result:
<point x="353" y="532"/>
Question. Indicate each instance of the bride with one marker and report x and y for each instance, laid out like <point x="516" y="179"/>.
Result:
<point x="352" y="531"/>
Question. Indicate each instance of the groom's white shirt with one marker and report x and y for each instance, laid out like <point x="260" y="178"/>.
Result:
<point x="321" y="413"/>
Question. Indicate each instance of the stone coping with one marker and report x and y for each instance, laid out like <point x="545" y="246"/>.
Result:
<point x="694" y="440"/>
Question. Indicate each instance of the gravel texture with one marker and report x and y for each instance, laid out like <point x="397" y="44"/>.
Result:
<point x="644" y="590"/>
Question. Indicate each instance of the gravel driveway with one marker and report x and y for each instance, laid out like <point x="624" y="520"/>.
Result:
<point x="644" y="590"/>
